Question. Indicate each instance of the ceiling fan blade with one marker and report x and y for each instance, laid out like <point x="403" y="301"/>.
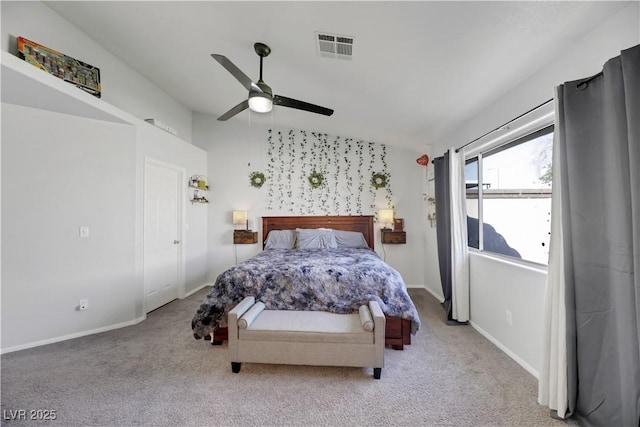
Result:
<point x="301" y="105"/>
<point x="235" y="110"/>
<point x="236" y="72"/>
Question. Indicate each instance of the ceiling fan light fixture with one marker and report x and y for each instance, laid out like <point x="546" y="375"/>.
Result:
<point x="260" y="102"/>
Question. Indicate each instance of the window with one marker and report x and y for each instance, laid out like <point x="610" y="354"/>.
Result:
<point x="509" y="198"/>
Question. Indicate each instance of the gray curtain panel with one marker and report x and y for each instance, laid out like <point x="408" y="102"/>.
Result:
<point x="443" y="228"/>
<point x="599" y="125"/>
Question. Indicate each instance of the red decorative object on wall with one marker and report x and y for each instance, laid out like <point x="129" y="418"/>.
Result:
<point x="423" y="160"/>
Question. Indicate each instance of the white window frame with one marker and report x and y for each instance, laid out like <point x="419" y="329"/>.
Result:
<point x="537" y="120"/>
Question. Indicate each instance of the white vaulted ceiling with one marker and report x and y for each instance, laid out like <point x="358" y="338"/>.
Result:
<point x="419" y="69"/>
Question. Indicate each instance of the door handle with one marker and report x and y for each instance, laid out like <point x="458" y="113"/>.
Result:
<point x="176" y="242"/>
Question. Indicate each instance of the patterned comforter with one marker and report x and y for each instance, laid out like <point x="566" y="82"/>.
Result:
<point x="335" y="280"/>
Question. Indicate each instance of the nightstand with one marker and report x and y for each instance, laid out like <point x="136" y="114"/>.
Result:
<point x="394" y="237"/>
<point x="243" y="237"/>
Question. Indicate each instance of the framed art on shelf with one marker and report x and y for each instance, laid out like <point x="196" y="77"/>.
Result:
<point x="398" y="224"/>
<point x="84" y="76"/>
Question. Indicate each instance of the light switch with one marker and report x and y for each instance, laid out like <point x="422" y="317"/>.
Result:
<point x="84" y="232"/>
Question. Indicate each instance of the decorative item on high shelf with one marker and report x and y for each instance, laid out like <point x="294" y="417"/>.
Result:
<point x="84" y="76"/>
<point x="162" y="126"/>
<point x="398" y="224"/>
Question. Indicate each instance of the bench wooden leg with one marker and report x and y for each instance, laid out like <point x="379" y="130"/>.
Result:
<point x="235" y="367"/>
<point x="376" y="373"/>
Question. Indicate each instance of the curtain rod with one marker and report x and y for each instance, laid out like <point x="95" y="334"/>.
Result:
<point x="500" y="127"/>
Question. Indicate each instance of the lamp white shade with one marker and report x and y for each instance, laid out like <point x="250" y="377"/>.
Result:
<point x="385" y="216"/>
<point x="239" y="217"/>
<point x="260" y="102"/>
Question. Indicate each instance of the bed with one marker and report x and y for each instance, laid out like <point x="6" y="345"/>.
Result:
<point x="312" y="278"/>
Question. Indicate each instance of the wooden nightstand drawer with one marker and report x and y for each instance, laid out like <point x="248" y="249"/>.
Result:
<point x="241" y="237"/>
<point x="394" y="237"/>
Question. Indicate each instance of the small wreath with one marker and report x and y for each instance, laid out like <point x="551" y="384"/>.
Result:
<point x="379" y="180"/>
<point x="257" y="179"/>
<point x="316" y="180"/>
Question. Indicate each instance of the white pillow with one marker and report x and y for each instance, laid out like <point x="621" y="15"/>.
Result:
<point x="365" y="318"/>
<point x="350" y="239"/>
<point x="315" y="238"/>
<point x="245" y="321"/>
<point x="280" y="239"/>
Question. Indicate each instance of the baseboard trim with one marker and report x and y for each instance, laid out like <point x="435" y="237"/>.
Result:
<point x="426" y="288"/>
<point x="72" y="336"/>
<point x="188" y="294"/>
<point x="508" y="352"/>
<point x="440" y="298"/>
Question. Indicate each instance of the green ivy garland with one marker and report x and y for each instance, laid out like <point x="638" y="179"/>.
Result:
<point x="316" y="179"/>
<point x="379" y="179"/>
<point x="257" y="179"/>
<point x="338" y="172"/>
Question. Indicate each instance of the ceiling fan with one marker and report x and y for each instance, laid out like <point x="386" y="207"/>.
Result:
<point x="261" y="97"/>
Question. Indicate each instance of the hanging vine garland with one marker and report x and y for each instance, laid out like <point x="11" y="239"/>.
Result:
<point x="379" y="180"/>
<point x="316" y="179"/>
<point x="270" y="168"/>
<point x="338" y="172"/>
<point x="372" y="191"/>
<point x="257" y="179"/>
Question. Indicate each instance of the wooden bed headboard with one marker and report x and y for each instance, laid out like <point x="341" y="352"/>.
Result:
<point x="361" y="223"/>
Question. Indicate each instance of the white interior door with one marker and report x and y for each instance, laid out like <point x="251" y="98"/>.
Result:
<point x="162" y="233"/>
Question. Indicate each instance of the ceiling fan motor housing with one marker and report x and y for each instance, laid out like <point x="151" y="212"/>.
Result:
<point x="265" y="88"/>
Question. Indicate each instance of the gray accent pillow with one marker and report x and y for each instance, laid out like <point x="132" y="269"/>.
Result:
<point x="281" y="239"/>
<point x="315" y="238"/>
<point x="350" y="239"/>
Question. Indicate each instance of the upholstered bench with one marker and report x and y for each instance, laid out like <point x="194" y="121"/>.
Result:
<point x="318" y="338"/>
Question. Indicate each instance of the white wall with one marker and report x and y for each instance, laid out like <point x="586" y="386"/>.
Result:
<point x="500" y="286"/>
<point x="232" y="145"/>
<point x="496" y="285"/>
<point x="61" y="172"/>
<point x="585" y="58"/>
<point x="79" y="161"/>
<point x="122" y="86"/>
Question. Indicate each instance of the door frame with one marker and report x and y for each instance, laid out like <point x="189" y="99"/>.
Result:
<point x="180" y="226"/>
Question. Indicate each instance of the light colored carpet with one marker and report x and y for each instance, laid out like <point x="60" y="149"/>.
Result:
<point x="155" y="373"/>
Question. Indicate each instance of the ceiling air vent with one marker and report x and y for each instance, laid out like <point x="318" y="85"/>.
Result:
<point x="334" y="46"/>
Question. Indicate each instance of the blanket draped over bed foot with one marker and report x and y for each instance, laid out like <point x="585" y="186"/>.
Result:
<point x="333" y="280"/>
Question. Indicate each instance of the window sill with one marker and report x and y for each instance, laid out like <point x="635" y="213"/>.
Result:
<point x="529" y="265"/>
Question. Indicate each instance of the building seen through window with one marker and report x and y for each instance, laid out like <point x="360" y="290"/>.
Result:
<point x="509" y="198"/>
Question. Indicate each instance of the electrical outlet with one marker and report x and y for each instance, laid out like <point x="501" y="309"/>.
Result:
<point x="84" y="304"/>
<point x="508" y="317"/>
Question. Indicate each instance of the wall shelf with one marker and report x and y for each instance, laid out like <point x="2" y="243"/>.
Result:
<point x="28" y="86"/>
<point x="394" y="237"/>
<point x="198" y="186"/>
<point x="245" y="237"/>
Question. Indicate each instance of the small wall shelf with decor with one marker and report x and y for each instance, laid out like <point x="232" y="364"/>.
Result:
<point x="394" y="237"/>
<point x="245" y="237"/>
<point x="199" y="186"/>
